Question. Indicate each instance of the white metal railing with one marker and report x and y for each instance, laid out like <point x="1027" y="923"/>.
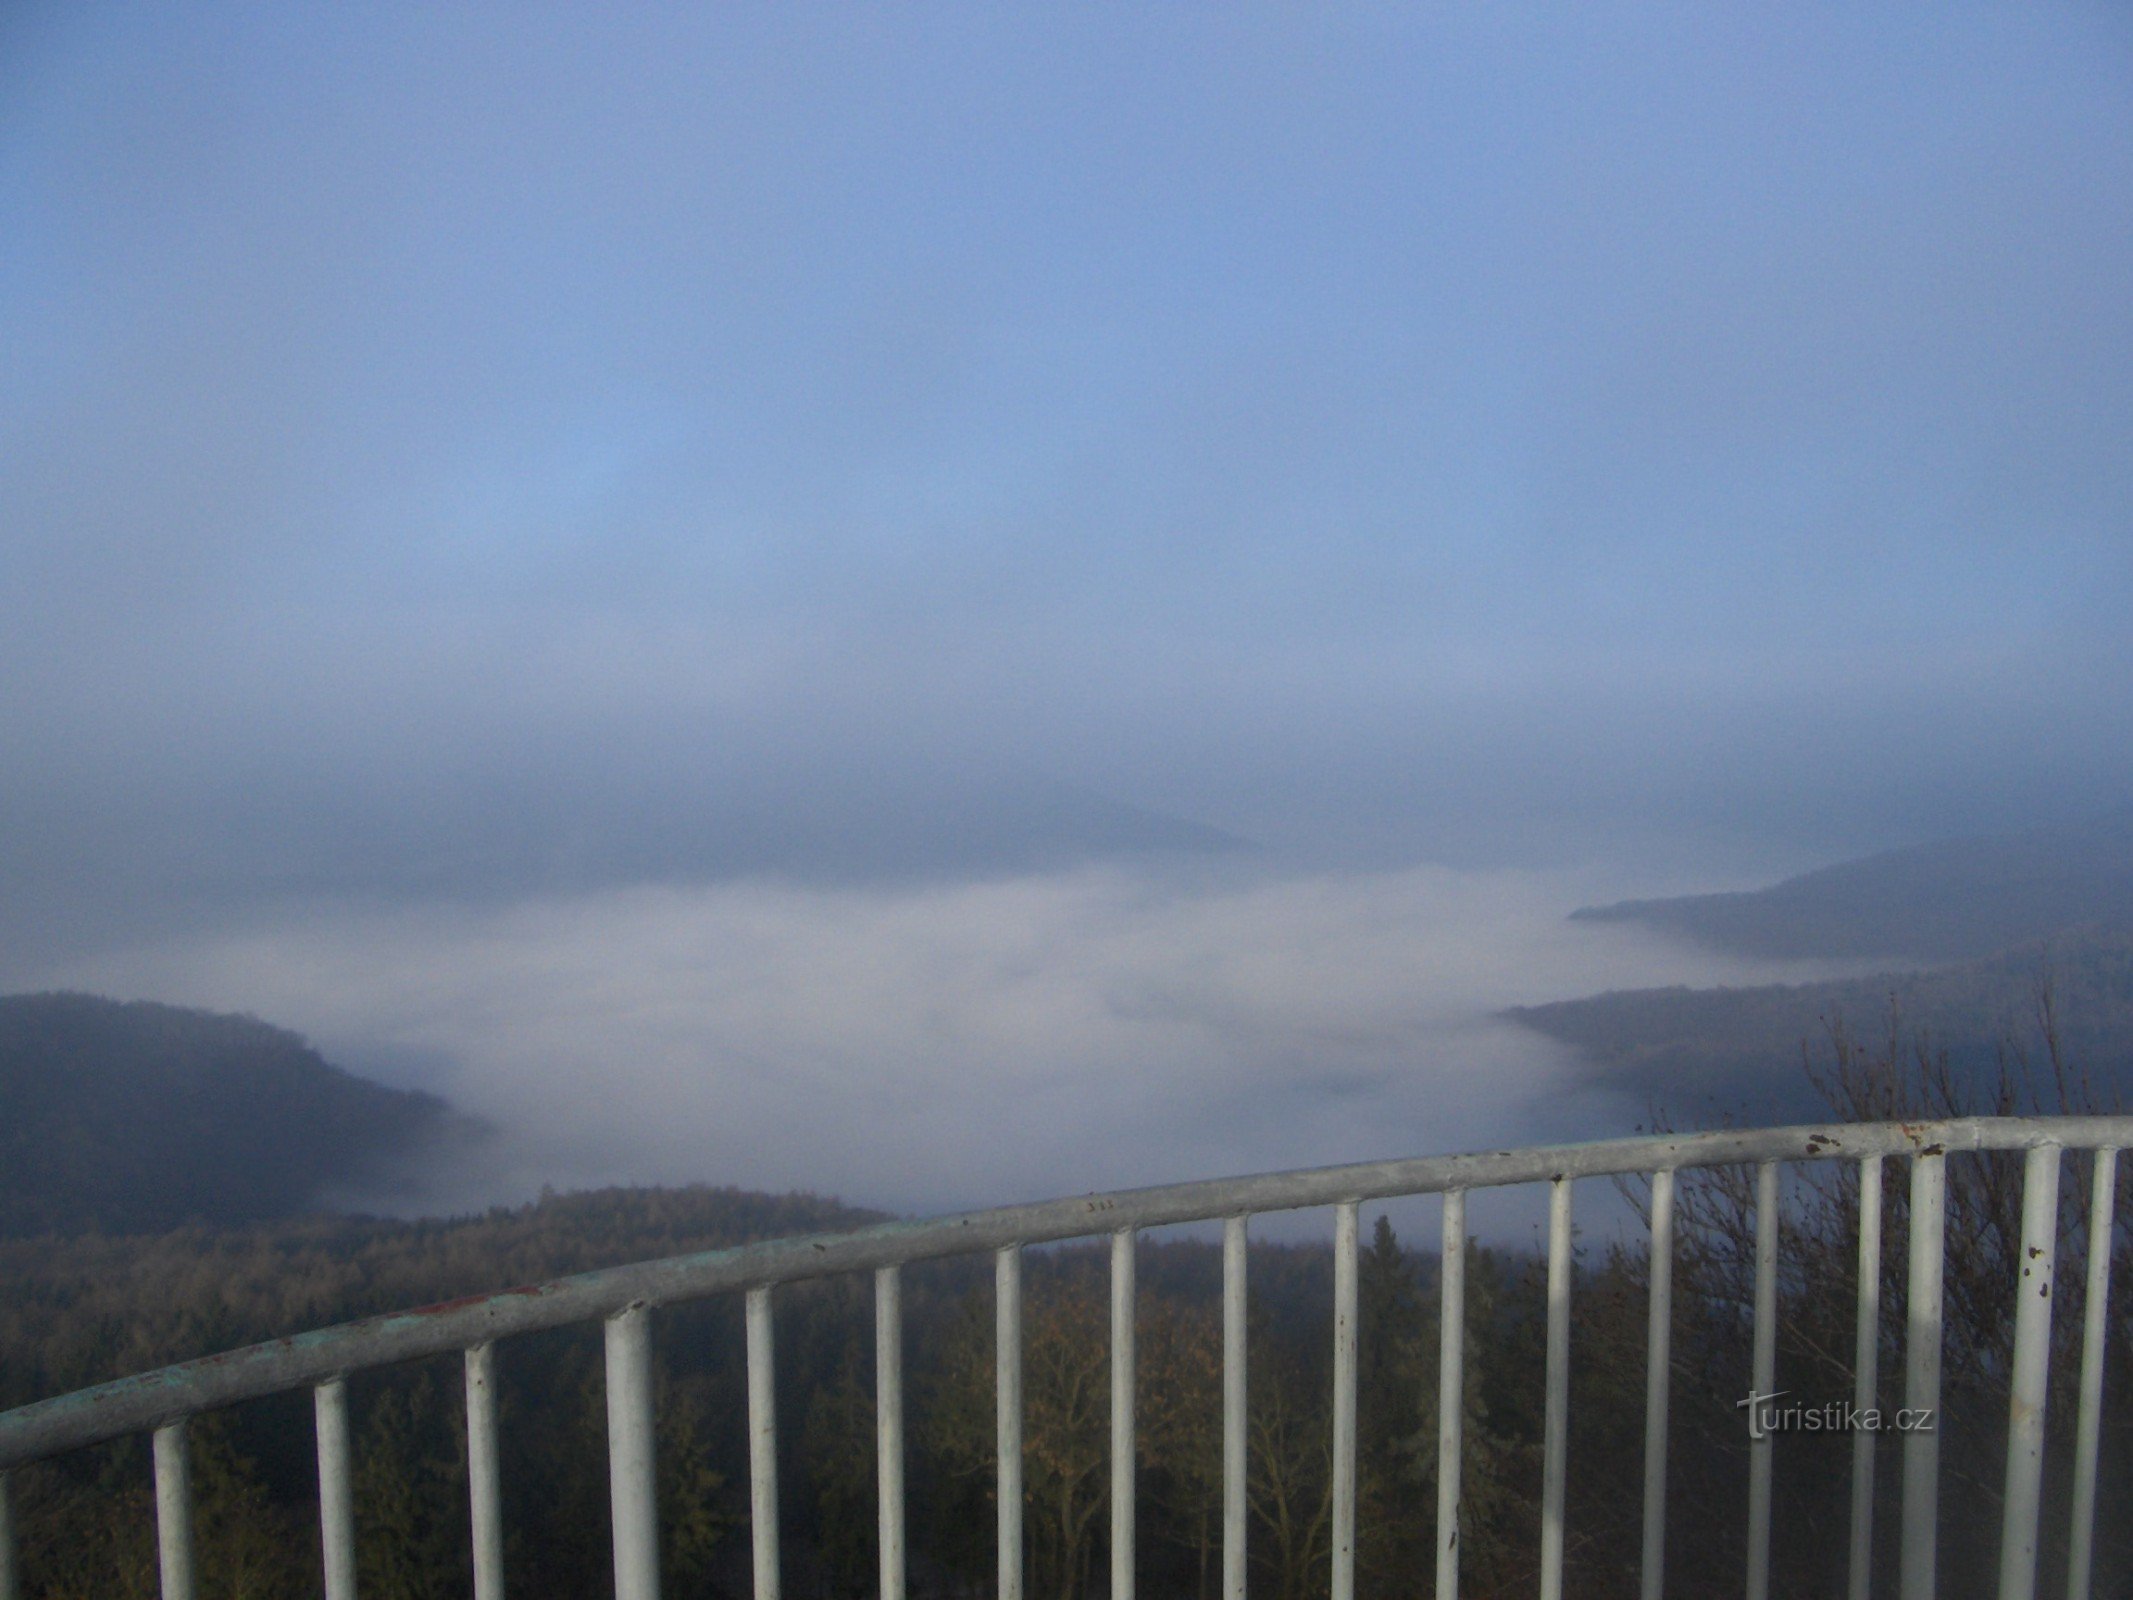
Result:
<point x="625" y="1298"/>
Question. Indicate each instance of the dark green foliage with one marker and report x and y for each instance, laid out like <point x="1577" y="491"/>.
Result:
<point x="409" y="1464"/>
<point x="81" y="1310"/>
<point x="837" y="1441"/>
<point x="137" y="1117"/>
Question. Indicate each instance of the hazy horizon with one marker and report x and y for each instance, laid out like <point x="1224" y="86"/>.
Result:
<point x="529" y="540"/>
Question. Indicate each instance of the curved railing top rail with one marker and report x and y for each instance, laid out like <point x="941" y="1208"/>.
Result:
<point x="151" y="1399"/>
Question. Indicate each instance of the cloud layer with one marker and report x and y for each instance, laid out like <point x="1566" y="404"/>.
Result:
<point x="1385" y="436"/>
<point x="485" y="492"/>
<point x="925" y="1048"/>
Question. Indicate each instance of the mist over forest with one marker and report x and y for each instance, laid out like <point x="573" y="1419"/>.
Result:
<point x="1105" y="1028"/>
<point x="631" y="630"/>
<point x="753" y="599"/>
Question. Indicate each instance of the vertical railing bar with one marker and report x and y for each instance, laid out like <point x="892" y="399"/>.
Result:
<point x="1555" y="1435"/>
<point x="1764" y="1378"/>
<point x="1451" y="1388"/>
<point x="484" y="1473"/>
<point x="10" y="1568"/>
<point x="2103" y="1193"/>
<point x="631" y="1419"/>
<point x="336" y="1489"/>
<point x="1235" y="1261"/>
<point x="1122" y="1438"/>
<point x="1866" y="1377"/>
<point x="762" y="1444"/>
<point x="1344" y="1318"/>
<point x="174" y="1511"/>
<point x="1921" y="1383"/>
<point x="1658" y="1383"/>
<point x="889" y="1427"/>
<point x="2032" y="1367"/>
<point x="632" y="1480"/>
<point x="1007" y="1413"/>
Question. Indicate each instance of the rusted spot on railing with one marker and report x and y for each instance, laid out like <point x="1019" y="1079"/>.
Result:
<point x="465" y="1300"/>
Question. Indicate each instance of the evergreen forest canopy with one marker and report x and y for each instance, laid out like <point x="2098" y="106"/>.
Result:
<point x="84" y="1309"/>
<point x="136" y="1117"/>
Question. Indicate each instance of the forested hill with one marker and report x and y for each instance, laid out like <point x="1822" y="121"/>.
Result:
<point x="1695" y="1051"/>
<point x="1958" y="900"/>
<point x="130" y="1117"/>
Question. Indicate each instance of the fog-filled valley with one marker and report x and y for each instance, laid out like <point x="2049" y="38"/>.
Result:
<point x="928" y="1047"/>
<point x="633" y="630"/>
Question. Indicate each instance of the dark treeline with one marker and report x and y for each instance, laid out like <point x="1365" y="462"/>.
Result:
<point x="133" y="1117"/>
<point x="80" y="1310"/>
<point x="1740" y="1047"/>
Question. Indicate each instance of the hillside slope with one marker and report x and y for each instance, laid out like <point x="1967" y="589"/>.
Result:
<point x="136" y="1117"/>
<point x="1956" y="900"/>
<point x="1741" y="1050"/>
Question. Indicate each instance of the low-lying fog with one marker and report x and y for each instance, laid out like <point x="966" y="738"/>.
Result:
<point x="930" y="1047"/>
<point x="461" y="465"/>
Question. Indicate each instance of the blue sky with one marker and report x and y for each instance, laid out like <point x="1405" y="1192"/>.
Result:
<point x="536" y="450"/>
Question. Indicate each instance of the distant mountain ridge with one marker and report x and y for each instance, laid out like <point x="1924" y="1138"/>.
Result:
<point x="1957" y="900"/>
<point x="134" y="1117"/>
<point x="1995" y="923"/>
<point x="1741" y="1050"/>
<point x="502" y="835"/>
